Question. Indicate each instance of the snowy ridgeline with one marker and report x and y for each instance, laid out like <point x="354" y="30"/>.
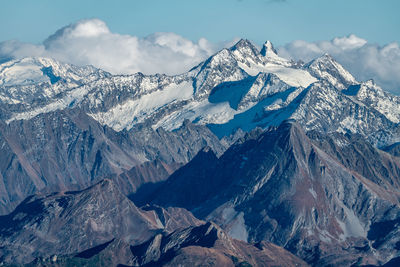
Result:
<point x="239" y="87"/>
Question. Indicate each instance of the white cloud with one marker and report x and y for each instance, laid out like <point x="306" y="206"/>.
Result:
<point x="349" y="42"/>
<point x="91" y="42"/>
<point x="362" y="59"/>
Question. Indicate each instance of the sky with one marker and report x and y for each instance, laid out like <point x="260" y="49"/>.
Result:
<point x="281" y="21"/>
<point x="170" y="36"/>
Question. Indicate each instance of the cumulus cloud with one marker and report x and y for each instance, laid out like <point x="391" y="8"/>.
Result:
<point x="91" y="42"/>
<point x="364" y="60"/>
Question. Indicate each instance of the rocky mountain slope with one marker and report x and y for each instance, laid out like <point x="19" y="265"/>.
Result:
<point x="208" y="245"/>
<point x="270" y="150"/>
<point x="100" y="226"/>
<point x="74" y="221"/>
<point x="203" y="245"/>
<point x="338" y="206"/>
<point x="68" y="150"/>
<point x="64" y="126"/>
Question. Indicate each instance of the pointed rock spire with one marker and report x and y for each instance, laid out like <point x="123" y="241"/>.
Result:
<point x="268" y="49"/>
<point x="370" y="82"/>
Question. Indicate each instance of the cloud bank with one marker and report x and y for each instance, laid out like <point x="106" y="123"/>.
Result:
<point x="362" y="59"/>
<point x="91" y="42"/>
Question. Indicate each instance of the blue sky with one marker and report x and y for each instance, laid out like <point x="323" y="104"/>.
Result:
<point x="281" y="21"/>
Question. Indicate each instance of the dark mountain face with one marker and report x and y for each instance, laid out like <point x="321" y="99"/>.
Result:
<point x="208" y="245"/>
<point x="202" y="245"/>
<point x="356" y="154"/>
<point x="100" y="226"/>
<point x="69" y="150"/>
<point x="74" y="221"/>
<point x="282" y="187"/>
<point x="393" y="149"/>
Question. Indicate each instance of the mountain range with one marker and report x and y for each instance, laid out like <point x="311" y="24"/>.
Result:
<point x="244" y="157"/>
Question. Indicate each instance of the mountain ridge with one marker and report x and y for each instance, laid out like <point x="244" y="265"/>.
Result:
<point x="281" y="186"/>
<point x="121" y="101"/>
<point x="270" y="150"/>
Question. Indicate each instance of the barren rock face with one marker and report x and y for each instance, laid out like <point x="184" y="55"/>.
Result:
<point x="202" y="245"/>
<point x="282" y="187"/>
<point x="99" y="225"/>
<point x="67" y="150"/>
<point x="74" y="221"/>
<point x="208" y="245"/>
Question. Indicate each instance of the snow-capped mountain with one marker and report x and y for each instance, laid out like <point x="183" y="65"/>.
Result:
<point x="56" y="117"/>
<point x="239" y="87"/>
<point x="29" y="80"/>
<point x="269" y="149"/>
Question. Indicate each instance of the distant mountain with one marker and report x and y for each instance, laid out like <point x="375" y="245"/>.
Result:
<point x="332" y="205"/>
<point x="64" y="126"/>
<point x="68" y="150"/>
<point x="240" y="87"/>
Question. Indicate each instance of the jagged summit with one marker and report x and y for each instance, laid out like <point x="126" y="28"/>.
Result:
<point x="326" y="68"/>
<point x="239" y="87"/>
<point x="242" y="43"/>
<point x="370" y="83"/>
<point x="268" y="49"/>
<point x="246" y="52"/>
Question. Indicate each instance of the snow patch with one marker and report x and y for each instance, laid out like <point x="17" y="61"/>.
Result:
<point x="351" y="226"/>
<point x="74" y="96"/>
<point x="231" y="221"/>
<point x="325" y="236"/>
<point x="201" y="112"/>
<point x="123" y="116"/>
<point x="234" y="223"/>
<point x="313" y="193"/>
<point x="293" y="77"/>
<point x="238" y="229"/>
<point x="23" y="72"/>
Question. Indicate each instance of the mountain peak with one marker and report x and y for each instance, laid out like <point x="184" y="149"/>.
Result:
<point x="327" y="55"/>
<point x="271" y="55"/>
<point x="370" y="82"/>
<point x="243" y="43"/>
<point x="268" y="49"/>
<point x="326" y="67"/>
<point x="325" y="59"/>
<point x="245" y="48"/>
<point x="293" y="131"/>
